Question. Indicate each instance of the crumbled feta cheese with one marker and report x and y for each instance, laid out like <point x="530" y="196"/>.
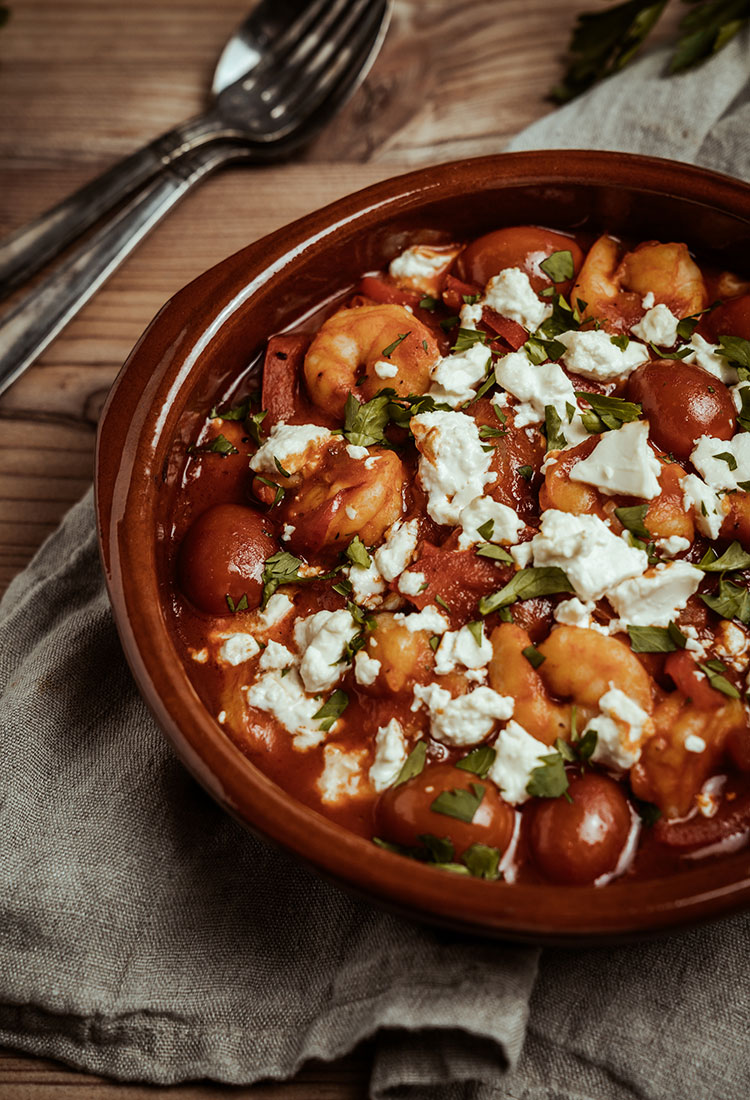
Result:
<point x="704" y="354"/>
<point x="277" y="608"/>
<point x="710" y="795"/>
<point x="506" y="526"/>
<point x="593" y="557"/>
<point x="717" y="472"/>
<point x="287" y="531"/>
<point x="648" y="300"/>
<point x="536" y="387"/>
<point x="411" y="583"/>
<point x="341" y="776"/>
<point x="283" y="697"/>
<point x="673" y="545"/>
<point x="706" y="505"/>
<point x="693" y="644"/>
<point x="221" y="717"/>
<point x="592" y="354"/>
<point x="517" y="754"/>
<point x="655" y="598"/>
<point x="420" y="263"/>
<point x="455" y="378"/>
<point x="521" y="554"/>
<point x="350" y="512"/>
<point x="460" y="648"/>
<point x="275" y="655"/>
<point x="622" y="462"/>
<point x="371" y="462"/>
<point x="199" y="655"/>
<point x="621" y="727"/>
<point x="398" y="549"/>
<point x="366" y="669"/>
<point x="390" y="755"/>
<point x="356" y="452"/>
<point x="732" y="644"/>
<point x="471" y="314"/>
<point x="465" y="720"/>
<point x="384" y="369"/>
<point x="511" y="295"/>
<point x="367" y="584"/>
<point x="322" y="638"/>
<point x="291" y="444"/>
<point x="574" y="613"/>
<point x="453" y="467"/>
<point x="694" y="743"/>
<point x="657" y="326"/>
<point x="238" y="648"/>
<point x="429" y="618"/>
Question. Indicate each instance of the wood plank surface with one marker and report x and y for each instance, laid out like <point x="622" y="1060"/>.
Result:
<point x="87" y="81"/>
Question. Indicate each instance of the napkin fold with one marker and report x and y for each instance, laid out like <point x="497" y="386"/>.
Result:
<point x="144" y="935"/>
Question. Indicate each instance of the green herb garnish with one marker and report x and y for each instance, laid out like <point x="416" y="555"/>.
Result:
<point x="525" y="585"/>
<point x="459" y="803"/>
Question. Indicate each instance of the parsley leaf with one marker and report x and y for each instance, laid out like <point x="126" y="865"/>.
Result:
<point x="486" y="529"/>
<point x="364" y="424"/>
<point x="357" y="553"/>
<point x="388" y="352"/>
<point x="219" y="445"/>
<point x="632" y="519"/>
<point x="496" y="553"/>
<point x="706" y="29"/>
<point x="647" y="811"/>
<point x="732" y="601"/>
<point x="656" y="639"/>
<point x="719" y="682"/>
<point x="736" y="349"/>
<point x="482" y="862"/>
<point x="413" y="765"/>
<point x="459" y="803"/>
<point x="240" y="605"/>
<point x="612" y="411"/>
<point x="234" y="412"/>
<point x="467" y="338"/>
<point x="332" y="709"/>
<point x="440" y="848"/>
<point x="525" y="585"/>
<point x="559" y="266"/>
<point x="538" y="350"/>
<point x="280" y="490"/>
<point x="428" y="302"/>
<point x="526" y="472"/>
<point x="548" y="780"/>
<point x="533" y="656"/>
<point x="476" y="629"/>
<point x="479" y="761"/>
<point x="728" y="457"/>
<point x="552" y="425"/>
<point x="743" y="416"/>
<point x="734" y="557"/>
<point x="281" y="568"/>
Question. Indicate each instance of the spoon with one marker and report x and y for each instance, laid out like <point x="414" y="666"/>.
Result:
<point x="263" y="75"/>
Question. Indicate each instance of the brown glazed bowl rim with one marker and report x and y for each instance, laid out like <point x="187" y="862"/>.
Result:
<point x="134" y="432"/>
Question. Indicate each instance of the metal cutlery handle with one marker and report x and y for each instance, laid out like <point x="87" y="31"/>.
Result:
<point x="37" y="318"/>
<point x="27" y="250"/>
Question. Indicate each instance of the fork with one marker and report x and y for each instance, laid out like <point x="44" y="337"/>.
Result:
<point x="320" y="72"/>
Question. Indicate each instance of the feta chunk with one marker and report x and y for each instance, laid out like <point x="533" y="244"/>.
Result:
<point x="456" y="377"/>
<point x="341" y="777"/>
<point x="593" y="557"/>
<point x="622" y="462"/>
<point x="459" y="648"/>
<point x="429" y="618"/>
<point x="621" y="727"/>
<point x="717" y="472"/>
<point x="732" y="644"/>
<point x="592" y="354"/>
<point x="390" y="755"/>
<point x="384" y="369"/>
<point x="322" y="638"/>
<point x="517" y="755"/>
<point x="277" y="608"/>
<point x="275" y="655"/>
<point x="284" y="698"/>
<point x="511" y="295"/>
<point x="367" y="584"/>
<point x="535" y="387"/>
<point x="470" y="314"/>
<point x="366" y="669"/>
<point x="291" y="444"/>
<point x="704" y="354"/>
<point x="356" y="452"/>
<point x="694" y="743"/>
<point x="465" y="720"/>
<point x="673" y="545"/>
<point x="575" y="613"/>
<point x="453" y="467"/>
<point x="522" y="554"/>
<point x="411" y="583"/>
<point x="657" y="326"/>
<point x="706" y="504"/>
<point x="656" y="597"/>
<point x="398" y="549"/>
<point x="238" y="648"/>
<point x="506" y="526"/>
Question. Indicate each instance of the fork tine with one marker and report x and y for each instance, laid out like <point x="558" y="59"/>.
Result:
<point x="311" y="22"/>
<point x="322" y="63"/>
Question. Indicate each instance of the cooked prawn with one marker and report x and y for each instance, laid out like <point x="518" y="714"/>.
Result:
<point x="613" y="287"/>
<point x="366" y="349"/>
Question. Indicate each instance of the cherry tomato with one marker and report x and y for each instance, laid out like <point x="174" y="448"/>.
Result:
<point x="692" y="682"/>
<point x="523" y="246"/>
<point x="223" y="554"/>
<point x="731" y="317"/>
<point x="576" y="842"/>
<point x="683" y="402"/>
<point x="403" y="813"/>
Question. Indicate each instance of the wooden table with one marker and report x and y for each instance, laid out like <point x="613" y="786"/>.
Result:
<point x="83" y="83"/>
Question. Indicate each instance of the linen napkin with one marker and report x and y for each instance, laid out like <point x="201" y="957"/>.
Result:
<point x="144" y="935"/>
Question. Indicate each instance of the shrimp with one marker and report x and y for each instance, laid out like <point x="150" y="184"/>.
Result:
<point x="366" y="349"/>
<point x="579" y="665"/>
<point x="613" y="286"/>
<point x="333" y="497"/>
<point x="673" y="766"/>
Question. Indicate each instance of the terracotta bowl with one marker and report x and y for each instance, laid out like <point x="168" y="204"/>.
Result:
<point x="209" y="332"/>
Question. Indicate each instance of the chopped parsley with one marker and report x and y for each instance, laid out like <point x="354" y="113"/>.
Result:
<point x="632" y="519"/>
<point x="459" y="803"/>
<point x="388" y="352"/>
<point x="656" y="639"/>
<point x="548" y="779"/>
<point x="612" y="411"/>
<point x="525" y="585"/>
<point x="479" y="761"/>
<point x="332" y="709"/>
<point x="357" y="553"/>
<point x="413" y="765"/>
<point x="559" y="266"/>
<point x="240" y="605"/>
<point x="533" y="656"/>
